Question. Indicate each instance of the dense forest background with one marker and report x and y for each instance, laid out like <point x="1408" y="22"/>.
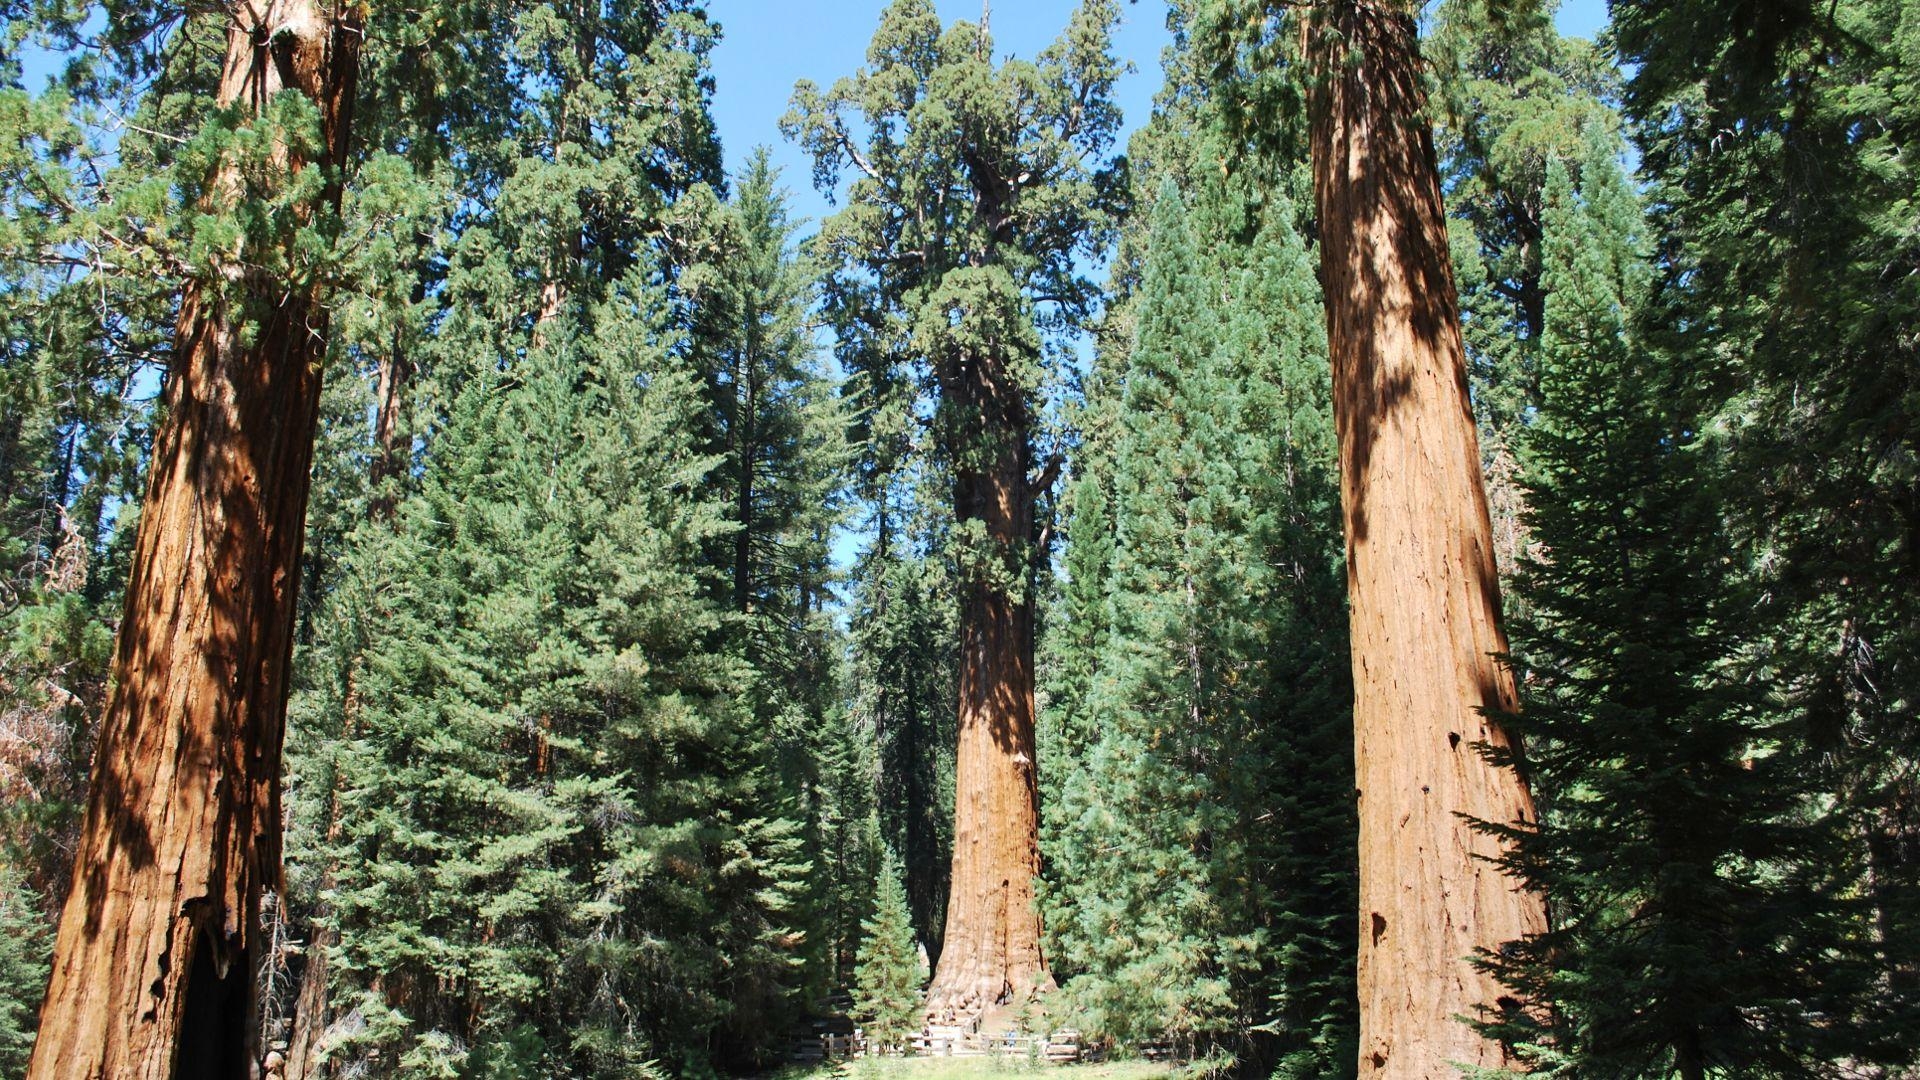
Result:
<point x="622" y="718"/>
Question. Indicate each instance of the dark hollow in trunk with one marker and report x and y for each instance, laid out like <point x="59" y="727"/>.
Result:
<point x="153" y="969"/>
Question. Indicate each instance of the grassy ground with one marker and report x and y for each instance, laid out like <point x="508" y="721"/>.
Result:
<point x="975" y="1068"/>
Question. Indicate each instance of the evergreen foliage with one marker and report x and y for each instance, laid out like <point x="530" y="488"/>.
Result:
<point x="1201" y="821"/>
<point x="25" y="945"/>
<point x="780" y="431"/>
<point x="1780" y="146"/>
<point x="1515" y="95"/>
<point x="631" y="631"/>
<point x="1701" y="882"/>
<point x="559" y="823"/>
<point x="903" y="644"/>
<point x="888" y="979"/>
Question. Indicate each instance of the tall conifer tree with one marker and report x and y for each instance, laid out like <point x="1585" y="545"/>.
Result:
<point x="1198" y="846"/>
<point x="1699" y="887"/>
<point x="1781" y="141"/>
<point x="966" y="218"/>
<point x="161" y="934"/>
<point x="780" y="430"/>
<point x="561" y="845"/>
<point x="1423" y="588"/>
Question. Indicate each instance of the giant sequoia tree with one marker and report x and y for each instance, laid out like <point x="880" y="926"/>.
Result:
<point x="978" y="185"/>
<point x="1423" y="591"/>
<point x="154" y="966"/>
<point x="1424" y="595"/>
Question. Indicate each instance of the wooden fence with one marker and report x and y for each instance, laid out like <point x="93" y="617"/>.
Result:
<point x="1055" y="1048"/>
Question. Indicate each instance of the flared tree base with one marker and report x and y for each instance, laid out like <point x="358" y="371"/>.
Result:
<point x="964" y="992"/>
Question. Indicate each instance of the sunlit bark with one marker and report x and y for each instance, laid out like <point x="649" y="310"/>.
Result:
<point x="153" y="972"/>
<point x="1425" y="596"/>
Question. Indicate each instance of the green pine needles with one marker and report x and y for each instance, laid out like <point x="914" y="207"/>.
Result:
<point x="622" y="741"/>
<point x="1199" y="823"/>
<point x="890" y="976"/>
<point x="1703" y="887"/>
<point x="26" y="942"/>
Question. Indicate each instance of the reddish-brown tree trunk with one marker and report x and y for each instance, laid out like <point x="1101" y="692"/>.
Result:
<point x="153" y="970"/>
<point x="1425" y="597"/>
<point x="990" y="952"/>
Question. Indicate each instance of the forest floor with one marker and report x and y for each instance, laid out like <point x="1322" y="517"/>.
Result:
<point x="974" y="1068"/>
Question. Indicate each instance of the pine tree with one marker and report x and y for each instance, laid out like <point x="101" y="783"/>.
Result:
<point x="501" y="138"/>
<point x="1148" y="929"/>
<point x="780" y="430"/>
<point x="1779" y="143"/>
<point x="889" y="976"/>
<point x="1699" y="886"/>
<point x="25" y="946"/>
<point x="562" y="837"/>
<point x="1299" y="815"/>
<point x="1192" y="848"/>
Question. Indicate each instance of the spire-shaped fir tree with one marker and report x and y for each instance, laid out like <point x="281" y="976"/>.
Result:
<point x="1298" y="811"/>
<point x="1198" y="855"/>
<point x="888" y="980"/>
<point x="1699" y="879"/>
<point x="25" y="944"/>
<point x="1152" y="953"/>
<point x="560" y="842"/>
<point x="780" y="431"/>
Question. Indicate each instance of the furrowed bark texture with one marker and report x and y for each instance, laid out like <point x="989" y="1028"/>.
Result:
<point x="990" y="952"/>
<point x="153" y="969"/>
<point x="1424" y="593"/>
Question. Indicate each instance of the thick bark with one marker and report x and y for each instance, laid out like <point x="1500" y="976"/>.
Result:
<point x="990" y="951"/>
<point x="153" y="973"/>
<point x="1420" y="570"/>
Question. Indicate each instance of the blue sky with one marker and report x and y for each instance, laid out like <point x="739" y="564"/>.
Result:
<point x="767" y="45"/>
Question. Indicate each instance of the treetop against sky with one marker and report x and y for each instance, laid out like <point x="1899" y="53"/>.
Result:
<point x="768" y="45"/>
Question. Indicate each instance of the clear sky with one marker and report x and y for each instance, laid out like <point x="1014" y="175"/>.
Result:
<point x="767" y="45"/>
